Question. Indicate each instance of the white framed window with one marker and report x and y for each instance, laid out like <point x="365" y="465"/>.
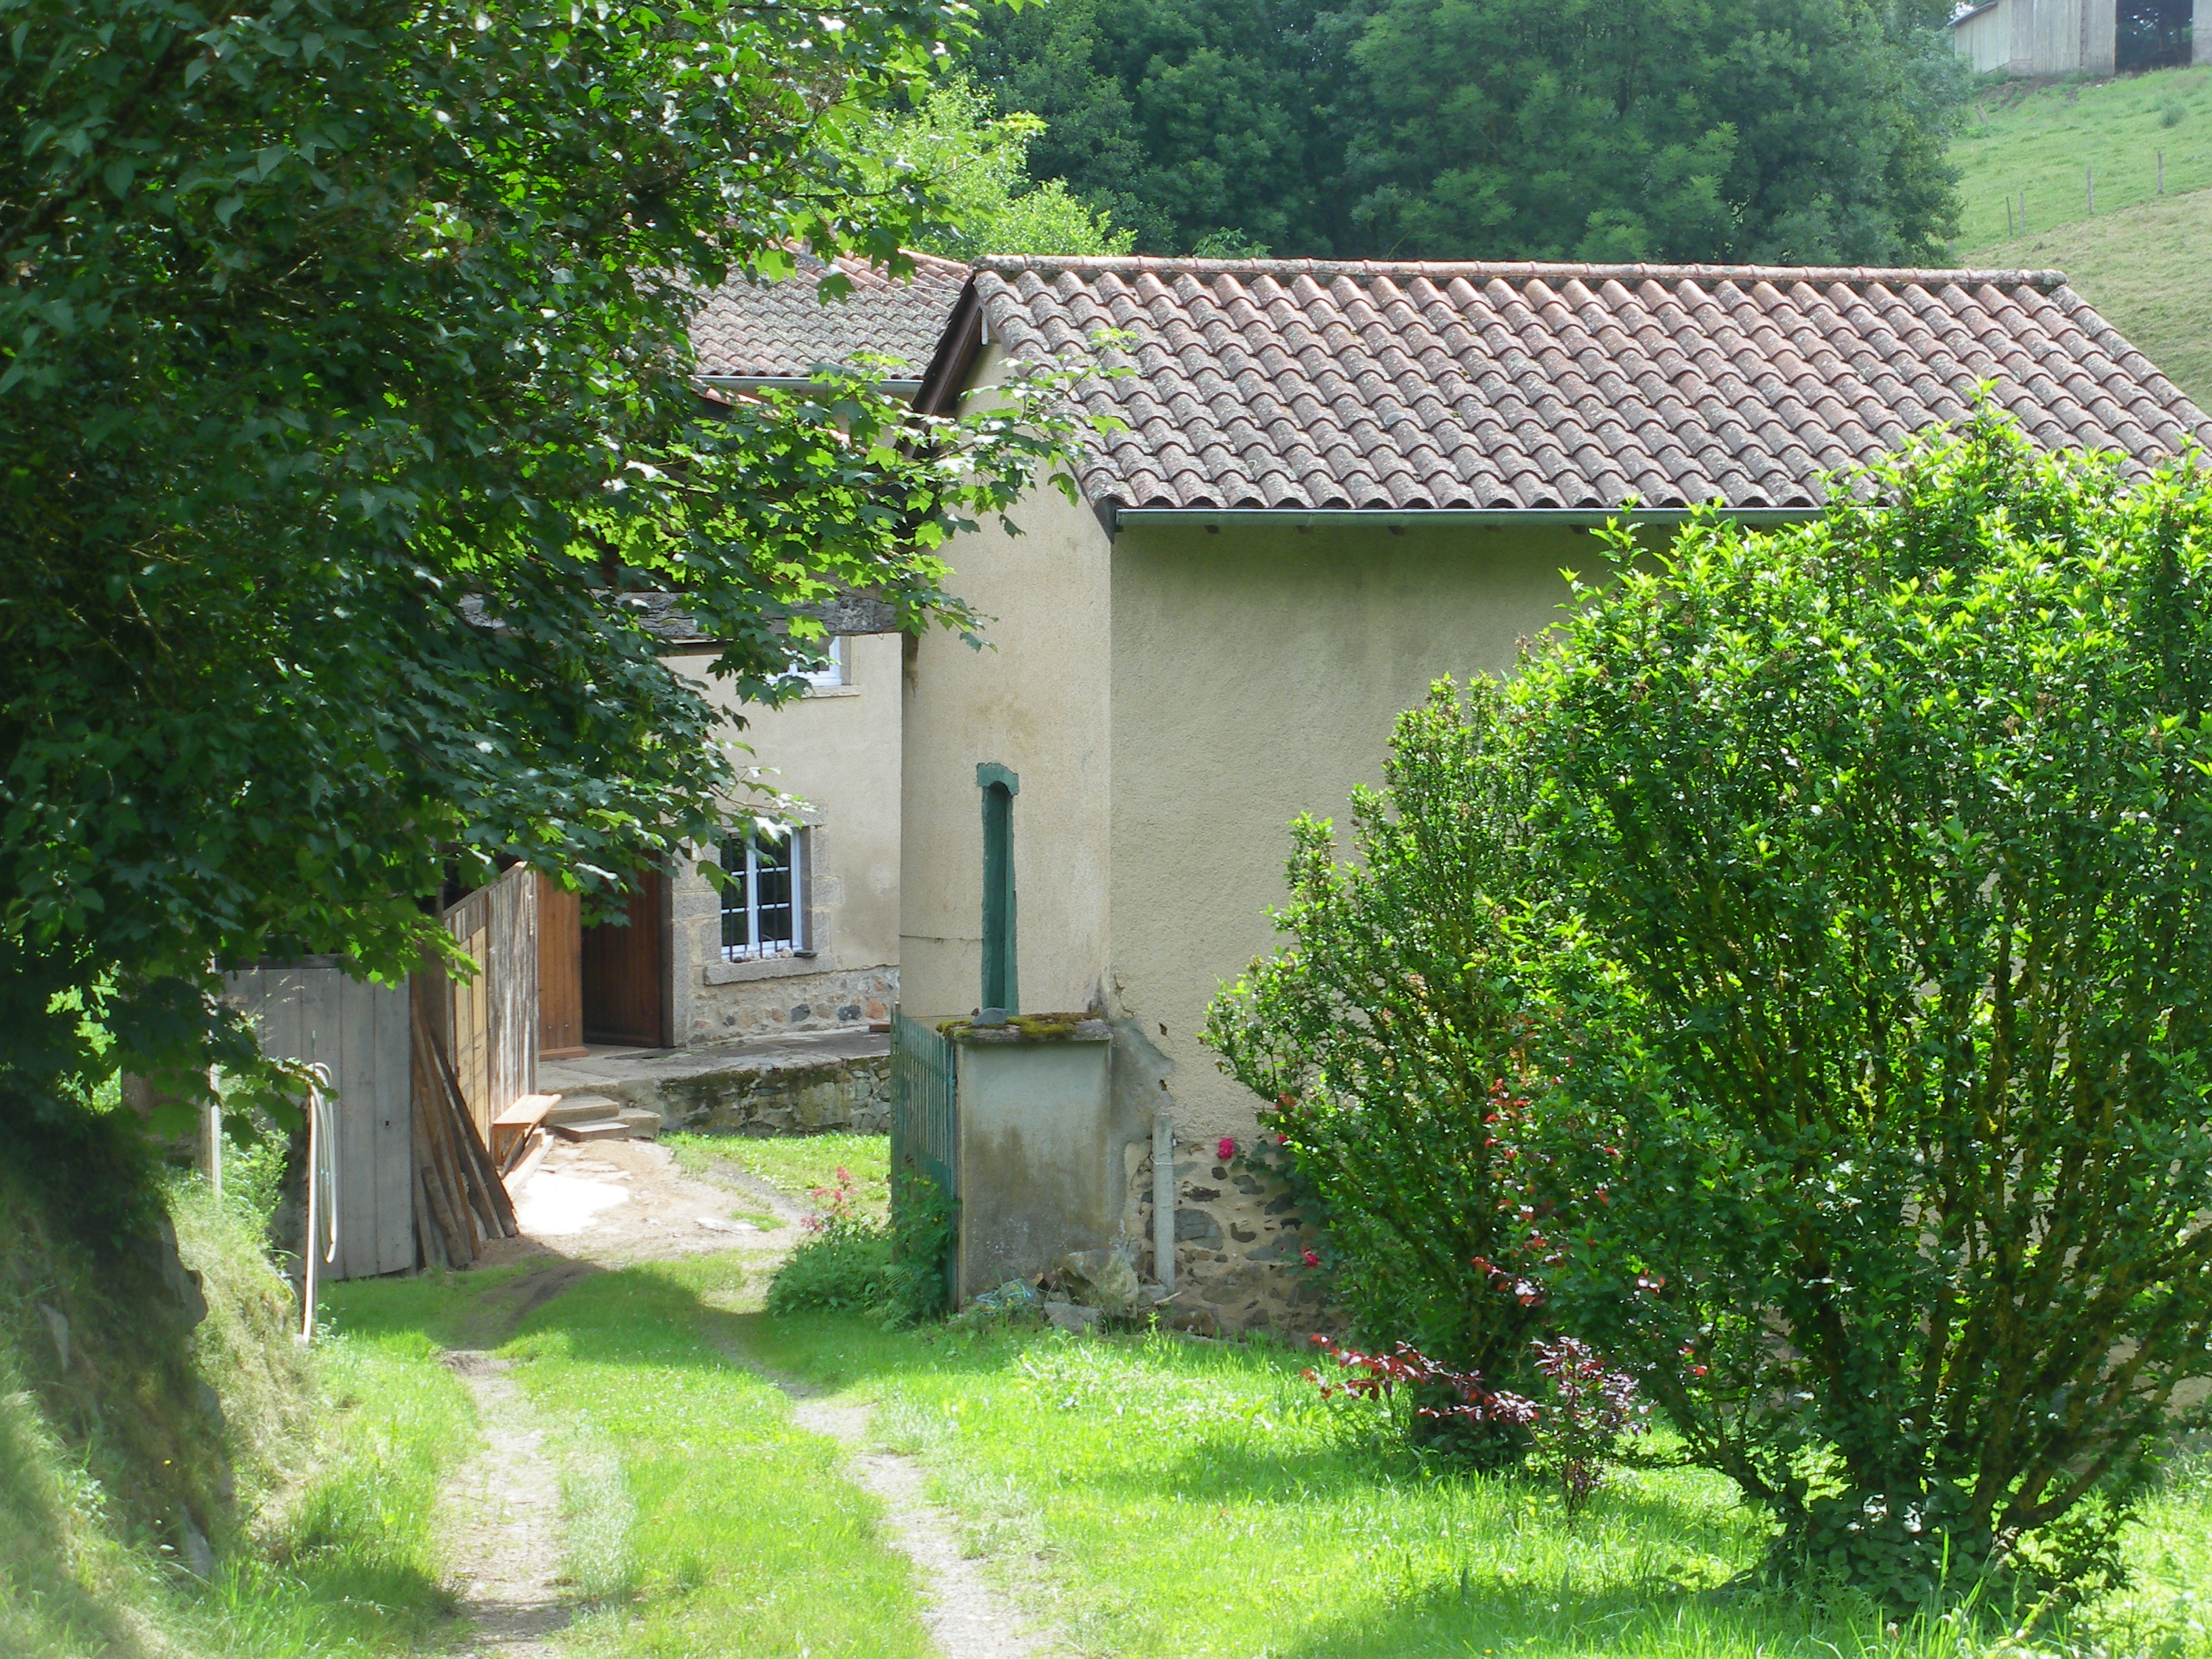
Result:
<point x="830" y="673"/>
<point x="763" y="909"/>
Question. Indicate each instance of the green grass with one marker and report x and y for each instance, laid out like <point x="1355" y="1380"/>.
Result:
<point x="354" y="1565"/>
<point x="2148" y="271"/>
<point x="1175" y="1499"/>
<point x="796" y="1165"/>
<point x="338" y="1457"/>
<point x="2044" y="140"/>
<point x="697" y="1519"/>
<point x="2144" y="261"/>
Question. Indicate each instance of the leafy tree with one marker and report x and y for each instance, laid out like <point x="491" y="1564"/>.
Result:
<point x="1900" y="827"/>
<point x="1839" y="899"/>
<point x="1787" y="131"/>
<point x="980" y="162"/>
<point x="1790" y="130"/>
<point x="1183" y="119"/>
<point x="1395" y="1034"/>
<point x="344" y="351"/>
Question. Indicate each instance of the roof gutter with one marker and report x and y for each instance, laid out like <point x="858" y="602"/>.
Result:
<point x="1307" y="518"/>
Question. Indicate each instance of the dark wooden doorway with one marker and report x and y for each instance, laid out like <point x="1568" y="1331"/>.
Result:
<point x="623" y="1001"/>
<point x="560" y="971"/>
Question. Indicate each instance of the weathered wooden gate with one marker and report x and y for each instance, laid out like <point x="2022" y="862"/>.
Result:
<point x="925" y="1124"/>
<point x="311" y="1011"/>
<point x="490" y="1021"/>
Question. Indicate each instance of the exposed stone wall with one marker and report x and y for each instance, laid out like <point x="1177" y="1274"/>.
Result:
<point x="770" y="1097"/>
<point x="1239" y="1248"/>
<point x="739" y="999"/>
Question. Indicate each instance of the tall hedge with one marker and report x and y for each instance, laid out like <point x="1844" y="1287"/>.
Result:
<point x="1879" y="1141"/>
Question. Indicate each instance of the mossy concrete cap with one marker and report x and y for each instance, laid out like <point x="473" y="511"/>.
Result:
<point x="1030" y="1028"/>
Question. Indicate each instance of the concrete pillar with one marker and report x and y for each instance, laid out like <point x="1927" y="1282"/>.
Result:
<point x="1040" y="1170"/>
<point x="2201" y="47"/>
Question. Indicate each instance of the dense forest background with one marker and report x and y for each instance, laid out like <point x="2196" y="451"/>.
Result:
<point x="1797" y="131"/>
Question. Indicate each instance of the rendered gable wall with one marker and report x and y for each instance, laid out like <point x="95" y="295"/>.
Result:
<point x="1169" y="702"/>
<point x="1035" y="701"/>
<point x="1257" y="673"/>
<point x="837" y="748"/>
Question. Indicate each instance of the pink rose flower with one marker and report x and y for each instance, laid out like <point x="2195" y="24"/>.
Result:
<point x="1227" y="1149"/>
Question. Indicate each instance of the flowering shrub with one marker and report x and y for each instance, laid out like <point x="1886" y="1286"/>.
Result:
<point x="847" y="1263"/>
<point x="1407" y="1038"/>
<point x="1579" y="1428"/>
<point x="1571" y="1435"/>
<point x="1794" y="981"/>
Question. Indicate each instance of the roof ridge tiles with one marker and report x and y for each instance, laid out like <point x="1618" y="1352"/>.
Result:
<point x="1307" y="382"/>
<point x="1441" y="273"/>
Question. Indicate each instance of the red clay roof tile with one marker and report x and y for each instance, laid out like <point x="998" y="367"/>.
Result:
<point x="774" y="330"/>
<point x="1297" y="383"/>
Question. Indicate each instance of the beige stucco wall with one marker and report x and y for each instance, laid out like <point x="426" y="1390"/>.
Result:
<point x="1170" y="701"/>
<point x="837" y="748"/>
<point x="1036" y="701"/>
<point x="1256" y="674"/>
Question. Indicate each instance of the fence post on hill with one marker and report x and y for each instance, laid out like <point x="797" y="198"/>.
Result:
<point x="2161" y="173"/>
<point x="2090" y="177"/>
<point x="2008" y="230"/>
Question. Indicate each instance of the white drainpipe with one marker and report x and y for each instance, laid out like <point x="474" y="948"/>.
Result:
<point x="1163" y="1199"/>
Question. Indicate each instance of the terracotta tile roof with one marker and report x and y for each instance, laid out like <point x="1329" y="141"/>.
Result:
<point x="1303" y="384"/>
<point x="774" y="330"/>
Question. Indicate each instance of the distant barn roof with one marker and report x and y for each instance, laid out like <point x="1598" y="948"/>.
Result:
<point x="774" y="330"/>
<point x="1312" y="384"/>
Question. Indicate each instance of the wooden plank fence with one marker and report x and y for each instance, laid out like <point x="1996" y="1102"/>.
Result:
<point x="310" y="1011"/>
<point x="487" y="1025"/>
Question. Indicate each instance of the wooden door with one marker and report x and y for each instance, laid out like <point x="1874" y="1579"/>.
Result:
<point x="621" y="966"/>
<point x="560" y="971"/>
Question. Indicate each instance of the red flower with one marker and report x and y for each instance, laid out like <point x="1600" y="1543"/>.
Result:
<point x="1312" y="1260"/>
<point x="1227" y="1149"/>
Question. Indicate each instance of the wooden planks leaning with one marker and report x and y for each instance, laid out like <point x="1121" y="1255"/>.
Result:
<point x="464" y="1203"/>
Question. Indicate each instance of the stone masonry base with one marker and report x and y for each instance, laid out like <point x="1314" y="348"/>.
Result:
<point x="1240" y="1246"/>
<point x="771" y="1006"/>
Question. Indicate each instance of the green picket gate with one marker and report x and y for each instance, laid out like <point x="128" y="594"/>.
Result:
<point x="925" y="1127"/>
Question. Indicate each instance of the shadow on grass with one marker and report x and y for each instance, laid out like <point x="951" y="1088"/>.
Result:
<point x="1609" y="1584"/>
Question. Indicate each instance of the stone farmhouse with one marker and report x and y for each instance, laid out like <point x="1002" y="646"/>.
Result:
<point x="1333" y="484"/>
<point x="2047" y="38"/>
<point x="807" y="940"/>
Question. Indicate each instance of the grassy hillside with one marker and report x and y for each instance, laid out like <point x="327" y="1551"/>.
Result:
<point x="175" y="1490"/>
<point x="2148" y="270"/>
<point x="2043" y="140"/>
<point x="2144" y="260"/>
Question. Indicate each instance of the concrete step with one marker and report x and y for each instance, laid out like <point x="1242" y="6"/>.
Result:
<point x="643" y="1122"/>
<point x="581" y="1109"/>
<point x="605" y="1128"/>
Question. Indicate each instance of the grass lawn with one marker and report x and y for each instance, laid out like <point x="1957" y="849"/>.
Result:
<point x="2144" y="261"/>
<point x="2044" y="140"/>
<point x="1170" y="1498"/>
<point x="796" y="1165"/>
<point x="2149" y="271"/>
<point x="698" y="1520"/>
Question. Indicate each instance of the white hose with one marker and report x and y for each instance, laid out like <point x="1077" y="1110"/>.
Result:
<point x="322" y="1196"/>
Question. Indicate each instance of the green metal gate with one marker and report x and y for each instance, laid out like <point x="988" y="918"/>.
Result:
<point x="925" y="1127"/>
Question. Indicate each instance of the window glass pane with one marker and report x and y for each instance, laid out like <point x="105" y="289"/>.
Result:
<point x="737" y="929"/>
<point x="772" y="864"/>
<point x="831" y="673"/>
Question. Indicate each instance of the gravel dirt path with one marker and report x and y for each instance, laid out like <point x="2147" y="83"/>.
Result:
<point x="967" y="1614"/>
<point x="611" y="1203"/>
<point x="505" y="1526"/>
